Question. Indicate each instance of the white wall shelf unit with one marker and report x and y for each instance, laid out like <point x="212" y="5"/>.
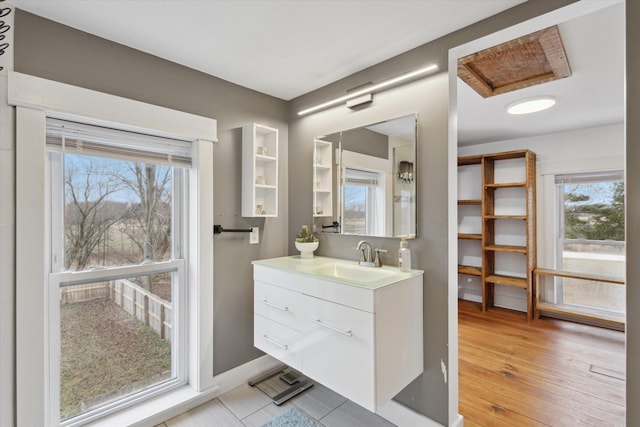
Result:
<point x="322" y="178"/>
<point x="259" y="171"/>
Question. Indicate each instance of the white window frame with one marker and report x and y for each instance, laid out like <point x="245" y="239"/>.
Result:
<point x="383" y="190"/>
<point x="558" y="284"/>
<point x="59" y="277"/>
<point x="36" y="99"/>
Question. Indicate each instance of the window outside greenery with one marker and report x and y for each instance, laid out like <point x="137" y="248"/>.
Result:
<point x="592" y="240"/>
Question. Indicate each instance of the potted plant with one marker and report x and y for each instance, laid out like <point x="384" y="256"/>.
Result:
<point x="306" y="243"/>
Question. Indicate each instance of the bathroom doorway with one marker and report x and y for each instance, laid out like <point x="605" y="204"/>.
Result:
<point x="579" y="148"/>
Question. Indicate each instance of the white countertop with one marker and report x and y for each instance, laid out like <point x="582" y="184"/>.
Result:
<point x="348" y="272"/>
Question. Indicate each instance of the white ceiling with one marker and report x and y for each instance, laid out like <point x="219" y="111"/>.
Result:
<point x="284" y="48"/>
<point x="592" y="96"/>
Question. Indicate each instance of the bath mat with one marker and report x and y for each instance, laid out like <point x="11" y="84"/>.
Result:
<point x="293" y="418"/>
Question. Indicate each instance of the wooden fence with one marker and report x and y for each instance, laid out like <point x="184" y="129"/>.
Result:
<point x="149" y="308"/>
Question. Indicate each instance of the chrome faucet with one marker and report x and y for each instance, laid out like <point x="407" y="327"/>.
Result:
<point x="366" y="254"/>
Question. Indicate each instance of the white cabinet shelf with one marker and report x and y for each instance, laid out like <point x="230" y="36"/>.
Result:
<point x="259" y="171"/>
<point x="322" y="178"/>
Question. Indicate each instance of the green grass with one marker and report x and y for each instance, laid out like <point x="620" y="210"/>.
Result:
<point x="104" y="350"/>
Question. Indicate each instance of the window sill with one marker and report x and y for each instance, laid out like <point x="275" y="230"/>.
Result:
<point x="157" y="410"/>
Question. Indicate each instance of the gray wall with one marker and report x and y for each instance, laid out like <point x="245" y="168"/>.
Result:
<point x="56" y="52"/>
<point x="633" y="212"/>
<point x="46" y="49"/>
<point x="365" y="141"/>
<point x="428" y="394"/>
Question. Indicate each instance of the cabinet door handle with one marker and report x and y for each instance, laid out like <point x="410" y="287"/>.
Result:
<point x="274" y="342"/>
<point x="279" y="307"/>
<point x="333" y="328"/>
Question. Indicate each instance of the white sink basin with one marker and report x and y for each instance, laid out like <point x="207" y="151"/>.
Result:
<point x="355" y="273"/>
<point x="344" y="271"/>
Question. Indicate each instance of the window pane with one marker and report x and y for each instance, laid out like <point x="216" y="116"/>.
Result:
<point x="355" y="202"/>
<point x="117" y="212"/>
<point x="593" y="241"/>
<point x="115" y="340"/>
<point x="594" y="211"/>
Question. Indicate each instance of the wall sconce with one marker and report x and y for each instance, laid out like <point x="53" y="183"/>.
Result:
<point x="367" y="92"/>
<point x="405" y="171"/>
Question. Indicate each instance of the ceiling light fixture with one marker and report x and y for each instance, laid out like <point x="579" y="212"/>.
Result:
<point x="371" y="89"/>
<point x="531" y="105"/>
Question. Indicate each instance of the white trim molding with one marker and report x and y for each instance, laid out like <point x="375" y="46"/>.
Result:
<point x="64" y="101"/>
<point x="402" y="416"/>
<point x="36" y="99"/>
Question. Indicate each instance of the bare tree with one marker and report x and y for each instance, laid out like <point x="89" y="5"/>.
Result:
<point x="147" y="222"/>
<point x="88" y="214"/>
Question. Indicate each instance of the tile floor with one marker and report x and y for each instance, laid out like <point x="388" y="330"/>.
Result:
<point x="252" y="407"/>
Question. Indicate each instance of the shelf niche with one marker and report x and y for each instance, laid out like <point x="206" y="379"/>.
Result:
<point x="322" y="178"/>
<point x="259" y="171"/>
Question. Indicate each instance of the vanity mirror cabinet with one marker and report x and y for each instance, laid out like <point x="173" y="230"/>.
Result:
<point x="373" y="187"/>
<point x="363" y="341"/>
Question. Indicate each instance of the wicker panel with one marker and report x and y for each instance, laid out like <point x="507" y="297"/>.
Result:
<point x="526" y="61"/>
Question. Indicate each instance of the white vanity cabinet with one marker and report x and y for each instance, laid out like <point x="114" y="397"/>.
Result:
<point x="362" y="341"/>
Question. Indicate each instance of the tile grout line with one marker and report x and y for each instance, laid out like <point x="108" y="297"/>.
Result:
<point x="332" y="411"/>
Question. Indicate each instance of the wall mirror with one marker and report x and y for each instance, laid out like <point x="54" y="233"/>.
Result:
<point x="365" y="179"/>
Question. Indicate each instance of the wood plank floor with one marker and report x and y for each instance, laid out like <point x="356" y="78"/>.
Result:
<point x="543" y="373"/>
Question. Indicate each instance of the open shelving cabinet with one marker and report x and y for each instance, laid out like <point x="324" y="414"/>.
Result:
<point x="507" y="234"/>
<point x="322" y="178"/>
<point x="259" y="171"/>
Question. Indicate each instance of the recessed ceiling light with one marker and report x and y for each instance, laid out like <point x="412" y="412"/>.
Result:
<point x="531" y="105"/>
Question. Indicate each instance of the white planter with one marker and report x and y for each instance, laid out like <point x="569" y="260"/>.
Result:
<point x="306" y="249"/>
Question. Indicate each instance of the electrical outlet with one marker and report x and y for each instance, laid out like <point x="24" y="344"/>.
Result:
<point x="254" y="236"/>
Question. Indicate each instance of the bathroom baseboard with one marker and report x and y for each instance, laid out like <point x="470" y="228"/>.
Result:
<point x="403" y="416"/>
<point x="235" y="377"/>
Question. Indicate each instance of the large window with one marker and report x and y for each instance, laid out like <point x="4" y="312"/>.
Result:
<point x="44" y="274"/>
<point x="591" y="238"/>
<point x="117" y="277"/>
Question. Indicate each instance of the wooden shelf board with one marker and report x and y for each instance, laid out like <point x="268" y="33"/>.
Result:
<point x="266" y="186"/>
<point x="505" y="217"/>
<point x="506" y="248"/>
<point x="505" y="185"/>
<point x="519" y="282"/>
<point x="470" y="270"/>
<point x="469" y="160"/>
<point x="614" y="319"/>
<point x="515" y="154"/>
<point x="581" y="276"/>
<point x="468" y="236"/>
<point x="470" y="202"/>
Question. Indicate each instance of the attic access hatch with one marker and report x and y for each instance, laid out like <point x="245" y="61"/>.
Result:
<point x="526" y="61"/>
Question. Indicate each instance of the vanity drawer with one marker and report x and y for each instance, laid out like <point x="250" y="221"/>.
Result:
<point x="353" y="296"/>
<point x="339" y="350"/>
<point x="279" y="304"/>
<point x="281" y="342"/>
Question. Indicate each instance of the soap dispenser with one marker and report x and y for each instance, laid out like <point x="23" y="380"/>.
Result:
<point x="404" y="254"/>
